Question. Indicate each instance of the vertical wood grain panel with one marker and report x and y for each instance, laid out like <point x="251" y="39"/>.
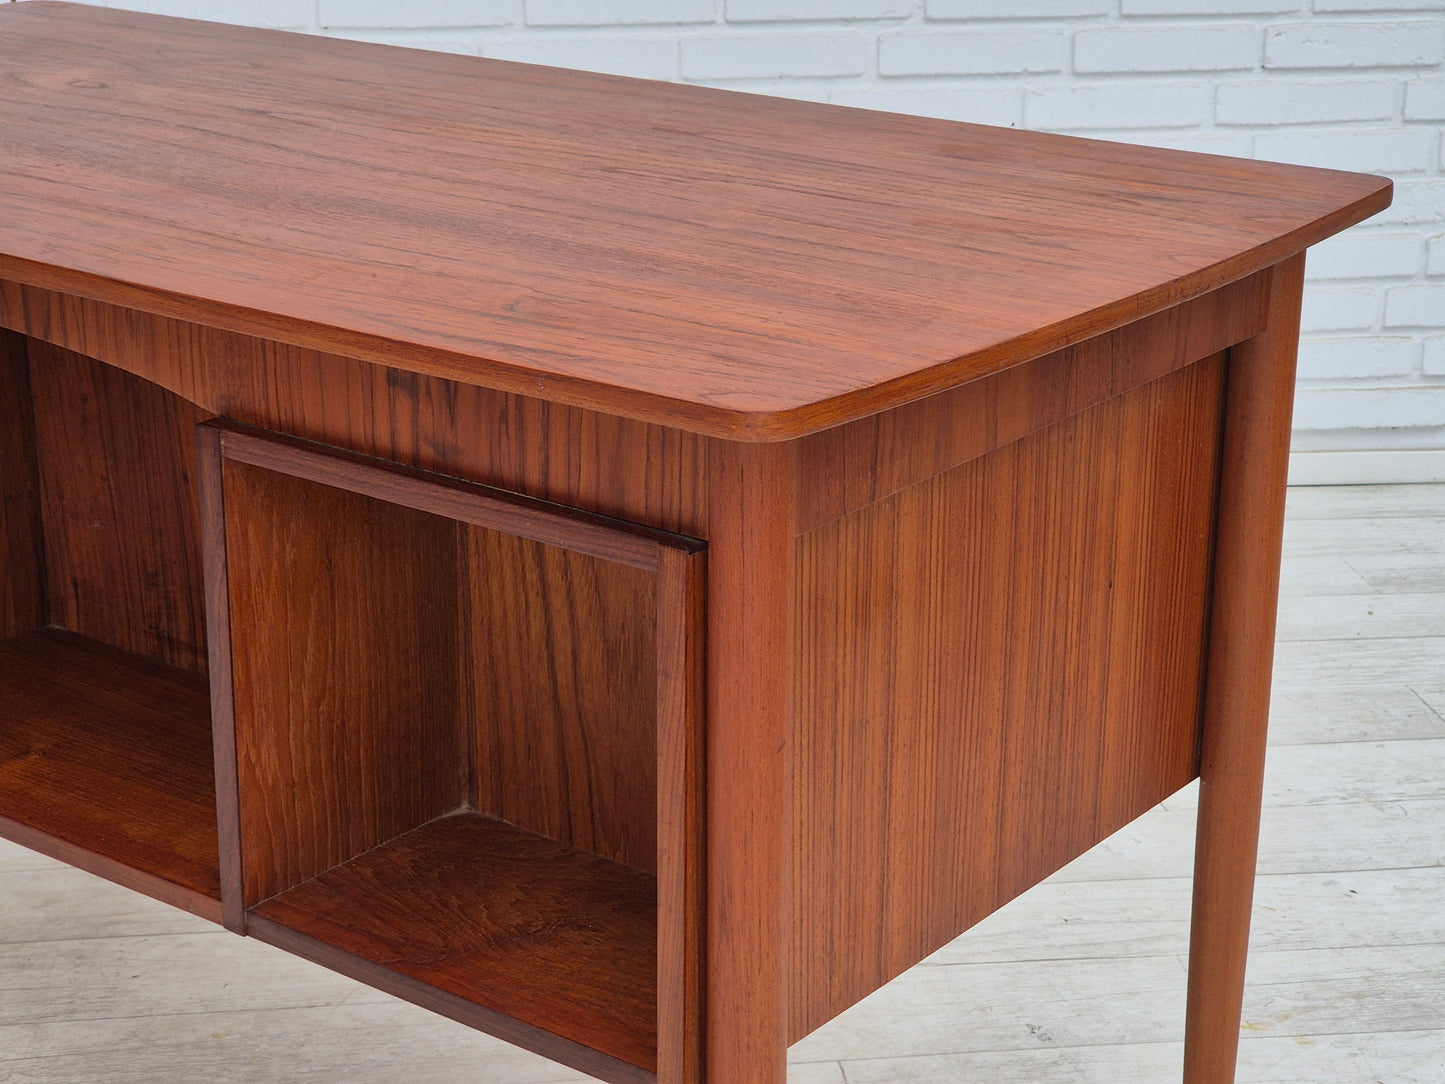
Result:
<point x="564" y="687"/>
<point x="22" y="597"/>
<point x="120" y="506"/>
<point x="751" y="553"/>
<point x="997" y="668"/>
<point x="1258" y="407"/>
<point x="344" y="635"/>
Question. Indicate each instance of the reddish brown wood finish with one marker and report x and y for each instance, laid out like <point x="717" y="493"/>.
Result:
<point x="22" y="548"/>
<point x="344" y="618"/>
<point x="852" y="466"/>
<point x="681" y="828"/>
<point x="119" y="504"/>
<point x="105" y="763"/>
<point x="533" y="938"/>
<point x="1258" y="405"/>
<point x="223" y="691"/>
<point x="932" y="392"/>
<point x="564" y="680"/>
<point x="997" y="669"/>
<point x="610" y="465"/>
<point x="749" y="753"/>
<point x="567" y="677"/>
<point x="649" y="250"/>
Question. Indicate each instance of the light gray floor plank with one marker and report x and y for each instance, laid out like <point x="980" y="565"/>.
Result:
<point x="1433" y="695"/>
<point x="14" y="857"/>
<point x="1356" y="502"/>
<point x="1408" y="661"/>
<point x="1023" y="1005"/>
<point x="1352" y="713"/>
<point x="116" y="977"/>
<point x="1396" y="573"/>
<point x="1292" y="839"/>
<point x="816" y="1072"/>
<point x="1353" y="617"/>
<point x="1107" y="919"/>
<point x="1384" y="1058"/>
<point x="59" y="903"/>
<point x="1422" y="536"/>
<point x="1314" y="576"/>
<point x="328" y="1044"/>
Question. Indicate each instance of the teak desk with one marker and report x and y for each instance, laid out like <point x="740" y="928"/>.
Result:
<point x="660" y="561"/>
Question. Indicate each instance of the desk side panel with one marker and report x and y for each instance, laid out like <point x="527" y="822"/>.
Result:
<point x="997" y="668"/>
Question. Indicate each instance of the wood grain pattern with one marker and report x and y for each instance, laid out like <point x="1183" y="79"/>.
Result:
<point x="22" y="547"/>
<point x="852" y="466"/>
<point x="681" y="827"/>
<point x="565" y="683"/>
<point x="222" y="684"/>
<point x="120" y="508"/>
<point x="750" y="735"/>
<point x="547" y="946"/>
<point x="1258" y="408"/>
<point x="452" y="498"/>
<point x="997" y="669"/>
<point x="931" y="391"/>
<point x="105" y="763"/>
<point x="563" y="672"/>
<point x="757" y="268"/>
<point x="344" y="618"/>
<point x="582" y="458"/>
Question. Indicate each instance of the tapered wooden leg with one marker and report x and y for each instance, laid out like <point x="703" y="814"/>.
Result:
<point x="1259" y="399"/>
<point x="749" y="721"/>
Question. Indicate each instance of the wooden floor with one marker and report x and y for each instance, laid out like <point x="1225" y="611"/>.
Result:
<point x="1081" y="980"/>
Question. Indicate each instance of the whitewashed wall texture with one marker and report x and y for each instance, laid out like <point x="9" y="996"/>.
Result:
<point x="1351" y="84"/>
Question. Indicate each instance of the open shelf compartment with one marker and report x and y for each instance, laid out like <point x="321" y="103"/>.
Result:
<point x="105" y="731"/>
<point x="459" y="733"/>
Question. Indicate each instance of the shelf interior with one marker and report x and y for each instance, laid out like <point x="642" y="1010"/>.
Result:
<point x="553" y="936"/>
<point x="109" y="753"/>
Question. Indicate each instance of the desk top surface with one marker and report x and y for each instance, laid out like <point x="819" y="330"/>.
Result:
<point x="737" y="265"/>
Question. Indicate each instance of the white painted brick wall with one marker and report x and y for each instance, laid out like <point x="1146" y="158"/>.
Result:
<point x="972" y="52"/>
<point x="1165" y="48"/>
<point x="1346" y="84"/>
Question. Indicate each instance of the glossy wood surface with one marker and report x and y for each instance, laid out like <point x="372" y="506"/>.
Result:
<point x="536" y="939"/>
<point x="105" y="763"/>
<point x="1255" y="462"/>
<point x="997" y="668"/>
<point x="751" y="267"/>
<point x="119" y="506"/>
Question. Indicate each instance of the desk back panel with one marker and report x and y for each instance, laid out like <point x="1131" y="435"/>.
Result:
<point x="120" y="507"/>
<point x="997" y="669"/>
